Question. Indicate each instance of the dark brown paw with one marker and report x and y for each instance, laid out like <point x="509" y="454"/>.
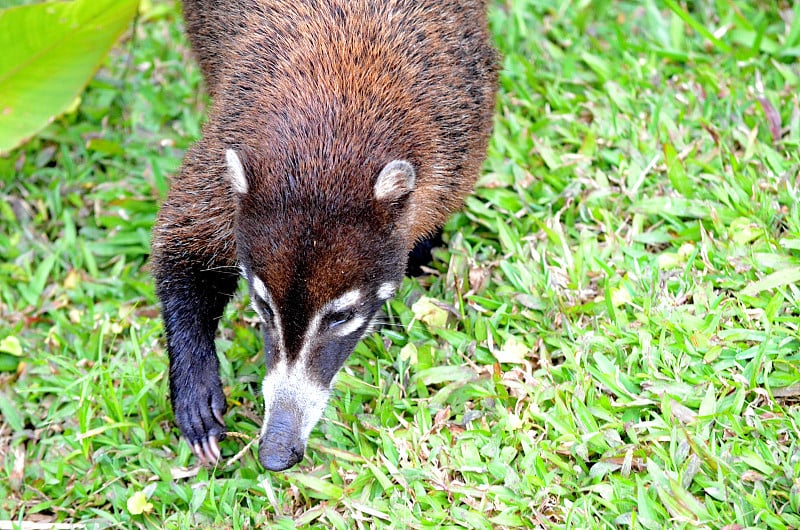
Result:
<point x="199" y="412"/>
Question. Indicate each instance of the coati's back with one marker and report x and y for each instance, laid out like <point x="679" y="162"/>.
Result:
<point x="356" y="79"/>
<point x="342" y="132"/>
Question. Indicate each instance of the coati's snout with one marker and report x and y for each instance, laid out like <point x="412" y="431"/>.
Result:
<point x="302" y="361"/>
<point x="281" y="444"/>
<point x="293" y="404"/>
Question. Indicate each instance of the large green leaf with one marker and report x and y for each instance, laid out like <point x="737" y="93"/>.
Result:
<point x="49" y="53"/>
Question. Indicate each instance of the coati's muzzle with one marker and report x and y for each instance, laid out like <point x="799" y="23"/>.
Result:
<point x="293" y="404"/>
<point x="281" y="445"/>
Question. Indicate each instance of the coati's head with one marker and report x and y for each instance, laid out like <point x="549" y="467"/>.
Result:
<point x="321" y="255"/>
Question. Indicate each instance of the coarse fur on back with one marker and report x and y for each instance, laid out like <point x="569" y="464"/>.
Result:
<point x="342" y="133"/>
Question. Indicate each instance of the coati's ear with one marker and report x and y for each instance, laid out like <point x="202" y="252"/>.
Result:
<point x="396" y="180"/>
<point x="236" y="172"/>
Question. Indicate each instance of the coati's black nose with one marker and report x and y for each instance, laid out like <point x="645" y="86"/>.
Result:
<point x="279" y="458"/>
<point x="281" y="447"/>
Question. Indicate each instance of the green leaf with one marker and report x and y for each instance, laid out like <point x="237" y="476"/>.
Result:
<point x="8" y="363"/>
<point x="323" y="488"/>
<point x="426" y="310"/>
<point x="11" y="345"/>
<point x="649" y="512"/>
<point x="10" y="353"/>
<point x="743" y="231"/>
<point x="50" y="52"/>
<point x="444" y="374"/>
<point x="11" y="413"/>
<point x="40" y="277"/>
<point x="137" y="504"/>
<point x="771" y="281"/>
<point x="676" y="172"/>
<point x="513" y="351"/>
<point x="697" y="26"/>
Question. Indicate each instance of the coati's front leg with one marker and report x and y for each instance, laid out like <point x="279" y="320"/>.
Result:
<point x="192" y="301"/>
<point x="422" y="254"/>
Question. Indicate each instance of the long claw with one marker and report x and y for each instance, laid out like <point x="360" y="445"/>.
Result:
<point x="214" y="446"/>
<point x="198" y="452"/>
<point x="209" y="456"/>
<point x="218" y="415"/>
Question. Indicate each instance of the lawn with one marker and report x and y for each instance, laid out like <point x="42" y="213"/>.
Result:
<point x="609" y="338"/>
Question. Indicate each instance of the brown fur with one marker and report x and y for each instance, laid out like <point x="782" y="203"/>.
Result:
<point x="291" y="85"/>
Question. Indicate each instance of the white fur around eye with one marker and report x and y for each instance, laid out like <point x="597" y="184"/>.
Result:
<point x="260" y="288"/>
<point x="236" y="172"/>
<point x="348" y="326"/>
<point x="386" y="290"/>
<point x="347" y="300"/>
<point x="269" y="312"/>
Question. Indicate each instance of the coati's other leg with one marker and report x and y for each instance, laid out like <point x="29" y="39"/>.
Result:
<point x="421" y="255"/>
<point x="193" y="296"/>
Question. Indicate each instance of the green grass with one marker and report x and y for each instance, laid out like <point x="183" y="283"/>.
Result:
<point x="622" y="345"/>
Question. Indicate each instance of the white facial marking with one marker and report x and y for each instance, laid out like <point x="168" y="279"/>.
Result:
<point x="386" y="290"/>
<point x="261" y="291"/>
<point x="260" y="288"/>
<point x="396" y="179"/>
<point x="346" y="328"/>
<point x="293" y="389"/>
<point x="236" y="172"/>
<point x="348" y="299"/>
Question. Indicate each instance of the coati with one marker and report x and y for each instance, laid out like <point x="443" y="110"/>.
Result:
<point x="341" y="134"/>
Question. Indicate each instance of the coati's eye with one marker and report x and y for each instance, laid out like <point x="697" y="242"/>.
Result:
<point x="339" y="317"/>
<point x="345" y="315"/>
<point x="262" y="308"/>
